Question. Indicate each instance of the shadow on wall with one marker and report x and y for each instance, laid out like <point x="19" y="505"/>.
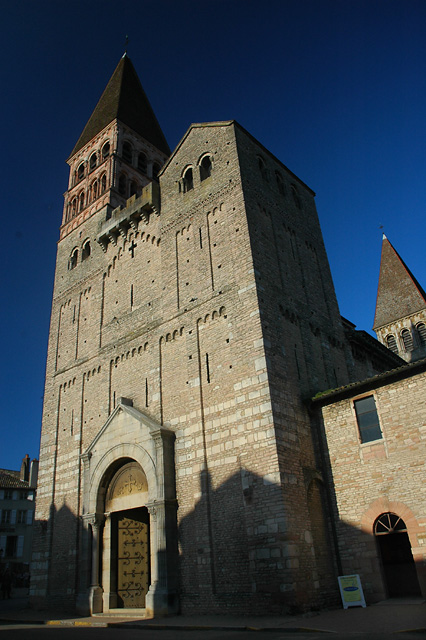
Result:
<point x="240" y="552"/>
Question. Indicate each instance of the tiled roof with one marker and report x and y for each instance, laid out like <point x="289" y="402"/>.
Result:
<point x="124" y="99"/>
<point x="399" y="294"/>
<point x="10" y="480"/>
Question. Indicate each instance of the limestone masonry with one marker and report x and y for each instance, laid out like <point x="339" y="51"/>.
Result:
<point x="183" y="466"/>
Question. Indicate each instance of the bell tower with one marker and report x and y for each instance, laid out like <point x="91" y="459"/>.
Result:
<point x="120" y="150"/>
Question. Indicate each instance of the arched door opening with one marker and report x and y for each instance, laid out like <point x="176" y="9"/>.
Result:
<point x="394" y="546"/>
<point x="126" y="540"/>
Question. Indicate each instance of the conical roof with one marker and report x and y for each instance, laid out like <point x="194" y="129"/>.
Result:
<point x="399" y="294"/>
<point x="124" y="99"/>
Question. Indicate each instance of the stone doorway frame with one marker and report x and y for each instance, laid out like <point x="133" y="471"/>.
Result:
<point x="152" y="447"/>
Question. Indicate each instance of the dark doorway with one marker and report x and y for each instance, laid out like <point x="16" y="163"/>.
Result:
<point x="397" y="560"/>
<point x="131" y="529"/>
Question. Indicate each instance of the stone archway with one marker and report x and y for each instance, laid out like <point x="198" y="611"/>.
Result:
<point x="399" y="569"/>
<point x="129" y="466"/>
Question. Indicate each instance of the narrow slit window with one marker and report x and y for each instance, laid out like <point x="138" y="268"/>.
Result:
<point x="207" y="368"/>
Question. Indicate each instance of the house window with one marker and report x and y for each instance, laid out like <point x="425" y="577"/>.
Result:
<point x="368" y="420"/>
<point x="21" y="517"/>
<point x="391" y="343"/>
<point x="127" y="152"/>
<point x="407" y="339"/>
<point x="8" y="494"/>
<point x="421" y="330"/>
<point x="105" y="151"/>
<point x="188" y="181"/>
<point x="6" y="516"/>
<point x="205" y="168"/>
<point x="142" y="163"/>
<point x="73" y="260"/>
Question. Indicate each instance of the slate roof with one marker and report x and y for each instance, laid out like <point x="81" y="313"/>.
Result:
<point x="10" y="480"/>
<point x="399" y="294"/>
<point x="124" y="99"/>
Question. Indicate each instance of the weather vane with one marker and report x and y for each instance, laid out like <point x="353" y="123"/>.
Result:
<point x="125" y="45"/>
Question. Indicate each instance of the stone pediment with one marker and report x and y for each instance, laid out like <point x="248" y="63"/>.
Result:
<point x="126" y="424"/>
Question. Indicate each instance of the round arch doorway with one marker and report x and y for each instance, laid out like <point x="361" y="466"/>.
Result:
<point x="394" y="546"/>
<point x="126" y="539"/>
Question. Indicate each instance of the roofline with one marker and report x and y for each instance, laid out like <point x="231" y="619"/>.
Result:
<point x="394" y="375"/>
<point x="227" y="123"/>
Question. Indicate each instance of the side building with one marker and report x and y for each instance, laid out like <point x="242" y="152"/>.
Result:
<point x="193" y="318"/>
<point x="17" y="506"/>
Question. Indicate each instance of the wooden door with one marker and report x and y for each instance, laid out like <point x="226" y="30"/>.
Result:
<point x="132" y="558"/>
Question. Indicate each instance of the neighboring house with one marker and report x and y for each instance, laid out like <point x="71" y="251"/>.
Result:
<point x="17" y="506"/>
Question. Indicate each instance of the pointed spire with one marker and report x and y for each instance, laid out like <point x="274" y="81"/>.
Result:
<point x="124" y="99"/>
<point x="399" y="294"/>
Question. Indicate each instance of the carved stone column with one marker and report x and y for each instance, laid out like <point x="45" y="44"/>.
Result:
<point x="95" y="592"/>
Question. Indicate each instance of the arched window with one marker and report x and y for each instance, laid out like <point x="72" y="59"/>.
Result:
<point x="142" y="163"/>
<point x="103" y="183"/>
<point x="74" y="206"/>
<point x="296" y="197"/>
<point x="122" y="185"/>
<point x="421" y="331"/>
<point x="86" y="250"/>
<point x="407" y="339"/>
<point x="73" y="260"/>
<point x="81" y="201"/>
<point x="391" y="343"/>
<point x="280" y="183"/>
<point x="262" y="169"/>
<point x="93" y="161"/>
<point x="155" y="171"/>
<point x="80" y="172"/>
<point x="388" y="523"/>
<point x="94" y="189"/>
<point x="188" y="181"/>
<point x="105" y="151"/>
<point x="205" y="168"/>
<point x="127" y="152"/>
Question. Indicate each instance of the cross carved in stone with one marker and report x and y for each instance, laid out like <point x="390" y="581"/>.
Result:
<point x="132" y="248"/>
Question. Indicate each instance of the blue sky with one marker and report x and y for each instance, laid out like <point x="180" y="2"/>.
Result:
<point x="336" y="89"/>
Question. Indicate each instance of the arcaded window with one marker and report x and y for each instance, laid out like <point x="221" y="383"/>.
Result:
<point x="188" y="181"/>
<point x="127" y="152"/>
<point x="80" y="172"/>
<point x="280" y="183"/>
<point x="407" y="339"/>
<point x="205" y="168"/>
<point x="296" y="196"/>
<point x="391" y="343"/>
<point x="93" y="161"/>
<point x="85" y="253"/>
<point x="262" y="168"/>
<point x="421" y="331"/>
<point x="155" y="171"/>
<point x="368" y="420"/>
<point x="103" y="183"/>
<point x="105" y="150"/>
<point x="73" y="260"/>
<point x="142" y="163"/>
<point x="81" y="201"/>
<point x="122" y="185"/>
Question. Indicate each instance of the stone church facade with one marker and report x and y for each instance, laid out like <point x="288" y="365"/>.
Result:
<point x="193" y="318"/>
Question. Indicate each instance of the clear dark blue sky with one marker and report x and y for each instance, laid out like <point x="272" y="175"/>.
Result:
<point x="335" y="89"/>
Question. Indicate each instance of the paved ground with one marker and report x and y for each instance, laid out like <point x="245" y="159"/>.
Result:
<point x="383" y="618"/>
